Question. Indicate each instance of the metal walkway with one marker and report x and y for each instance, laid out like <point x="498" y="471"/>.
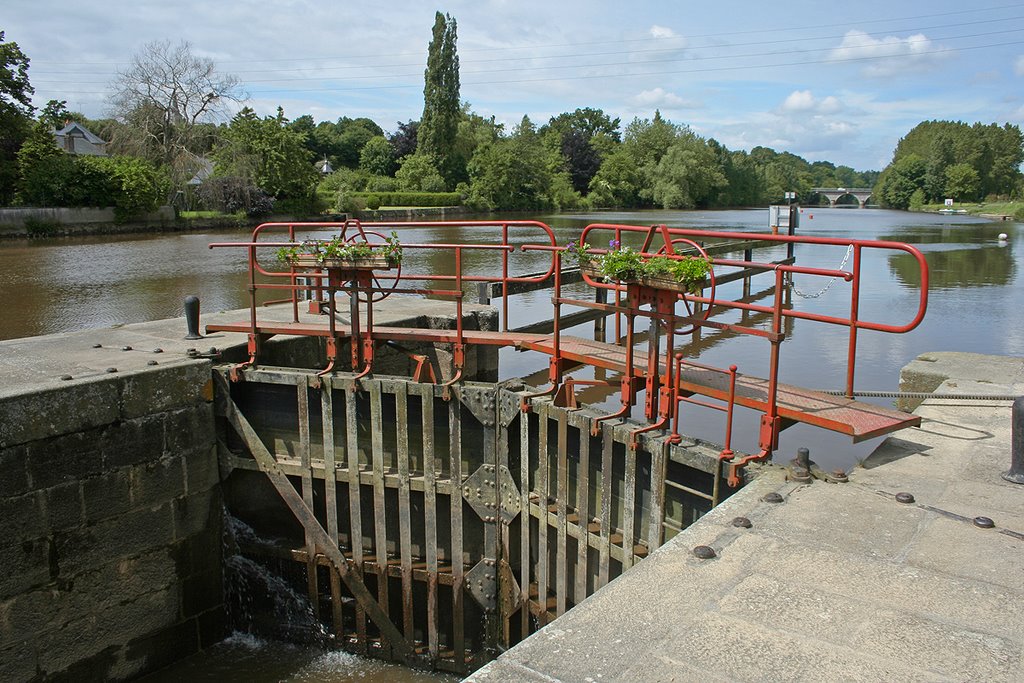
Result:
<point x="848" y="416"/>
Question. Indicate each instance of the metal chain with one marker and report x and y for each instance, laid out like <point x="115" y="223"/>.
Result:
<point x="796" y="290"/>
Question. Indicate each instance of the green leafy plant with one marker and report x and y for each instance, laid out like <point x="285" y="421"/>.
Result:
<point x="340" y="249"/>
<point x="625" y="264"/>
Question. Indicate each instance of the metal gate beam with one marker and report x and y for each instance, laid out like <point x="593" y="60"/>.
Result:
<point x="304" y="514"/>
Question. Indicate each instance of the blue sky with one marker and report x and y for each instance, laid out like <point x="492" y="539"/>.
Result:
<point x="840" y="82"/>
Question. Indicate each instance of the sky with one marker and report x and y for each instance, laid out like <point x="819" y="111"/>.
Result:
<point x="838" y="82"/>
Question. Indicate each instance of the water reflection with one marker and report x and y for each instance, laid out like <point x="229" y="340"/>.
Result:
<point x="958" y="256"/>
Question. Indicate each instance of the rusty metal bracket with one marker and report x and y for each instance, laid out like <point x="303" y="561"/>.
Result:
<point x="482" y="584"/>
<point x="481" y="401"/>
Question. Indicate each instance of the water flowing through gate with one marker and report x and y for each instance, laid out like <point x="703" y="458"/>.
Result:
<point x="441" y="531"/>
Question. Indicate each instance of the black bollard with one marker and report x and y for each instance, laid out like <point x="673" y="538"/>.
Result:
<point x="192" y="317"/>
<point x="1016" y="471"/>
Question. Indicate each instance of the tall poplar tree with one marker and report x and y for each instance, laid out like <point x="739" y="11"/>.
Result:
<point x="439" y="124"/>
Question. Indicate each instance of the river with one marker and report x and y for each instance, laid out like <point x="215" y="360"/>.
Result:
<point x="66" y="284"/>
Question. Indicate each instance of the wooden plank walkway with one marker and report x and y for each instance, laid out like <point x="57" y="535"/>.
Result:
<point x="848" y="416"/>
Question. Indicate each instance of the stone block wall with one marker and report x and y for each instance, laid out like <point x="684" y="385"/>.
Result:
<point x="110" y="525"/>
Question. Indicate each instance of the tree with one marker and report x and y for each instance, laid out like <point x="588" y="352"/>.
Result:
<point x="962" y="182"/>
<point x="377" y="156"/>
<point x="617" y="183"/>
<point x="418" y="173"/>
<point x="441" y="105"/>
<point x="688" y="175"/>
<point x="403" y="140"/>
<point x="15" y="114"/>
<point x="899" y="180"/>
<point x="269" y="153"/>
<point x="161" y="98"/>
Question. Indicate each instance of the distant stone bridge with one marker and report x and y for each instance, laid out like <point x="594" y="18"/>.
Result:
<point x="834" y="193"/>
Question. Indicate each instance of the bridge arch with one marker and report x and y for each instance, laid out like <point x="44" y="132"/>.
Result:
<point x="833" y="194"/>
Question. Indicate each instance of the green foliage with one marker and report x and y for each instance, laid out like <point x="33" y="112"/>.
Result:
<point x="347" y="202"/>
<point x="962" y="182"/>
<point x="625" y="264"/>
<point x="373" y="202"/>
<point x="418" y="173"/>
<point x="339" y="248"/>
<point x="441" y="104"/>
<point x="15" y="114"/>
<point x="512" y="174"/>
<point x="136" y="186"/>
<point x="916" y="200"/>
<point x="899" y="180"/>
<point x="688" y="175"/>
<point x="269" y="153"/>
<point x="377" y="156"/>
<point x="409" y="198"/>
<point x="994" y="152"/>
<point x="37" y="228"/>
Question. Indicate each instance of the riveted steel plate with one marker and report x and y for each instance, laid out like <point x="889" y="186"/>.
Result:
<point x="482" y="583"/>
<point x="480" y="491"/>
<point x="481" y="401"/>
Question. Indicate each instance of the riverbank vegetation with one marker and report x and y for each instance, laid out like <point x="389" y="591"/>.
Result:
<point x="170" y="141"/>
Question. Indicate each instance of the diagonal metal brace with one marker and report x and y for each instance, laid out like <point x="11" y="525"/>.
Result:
<point x="321" y="538"/>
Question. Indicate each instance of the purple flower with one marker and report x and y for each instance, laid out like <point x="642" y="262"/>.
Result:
<point x="614" y="244"/>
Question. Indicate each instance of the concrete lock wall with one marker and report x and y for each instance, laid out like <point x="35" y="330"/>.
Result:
<point x="110" y="525"/>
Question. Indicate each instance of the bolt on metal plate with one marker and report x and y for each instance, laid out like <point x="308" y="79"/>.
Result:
<point x="773" y="497"/>
<point x="742" y="523"/>
<point x="905" y="498"/>
<point x="984" y="522"/>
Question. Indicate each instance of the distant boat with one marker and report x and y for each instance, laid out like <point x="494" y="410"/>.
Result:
<point x="951" y="211"/>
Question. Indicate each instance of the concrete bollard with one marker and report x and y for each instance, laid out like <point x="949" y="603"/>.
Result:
<point x="192" y="317"/>
<point x="1016" y="471"/>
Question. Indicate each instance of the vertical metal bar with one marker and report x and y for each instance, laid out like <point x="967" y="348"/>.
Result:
<point x="380" y="534"/>
<point x="302" y="394"/>
<point x="542" y="528"/>
<point x="404" y="518"/>
<point x="430" y="515"/>
<point x="354" y="504"/>
<point x="583" y="511"/>
<point x="524" y="523"/>
<point x="606" y="506"/>
<point x="851" y="362"/>
<point x="655" y="529"/>
<point x="561" y="567"/>
<point x="331" y="493"/>
<point x="504" y="278"/>
<point x="503" y="558"/>
<point x="628" y="509"/>
<point x="458" y="621"/>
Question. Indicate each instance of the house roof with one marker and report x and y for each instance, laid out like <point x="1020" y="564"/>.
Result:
<point x="75" y="127"/>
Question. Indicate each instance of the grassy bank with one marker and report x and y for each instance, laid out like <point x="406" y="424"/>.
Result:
<point x="1015" y="209"/>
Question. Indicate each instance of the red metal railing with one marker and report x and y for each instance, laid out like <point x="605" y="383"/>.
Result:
<point x="662" y="380"/>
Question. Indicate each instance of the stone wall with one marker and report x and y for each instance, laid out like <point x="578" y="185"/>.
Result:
<point x="110" y="525"/>
<point x="15" y="222"/>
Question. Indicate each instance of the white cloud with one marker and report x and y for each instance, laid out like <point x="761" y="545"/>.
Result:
<point x="805" y="101"/>
<point x="662" y="32"/>
<point x="799" y="100"/>
<point x="659" y="98"/>
<point x="1018" y="66"/>
<point x="890" y="55"/>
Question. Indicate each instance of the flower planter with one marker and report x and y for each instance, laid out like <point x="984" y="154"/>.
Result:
<point x="366" y="263"/>
<point x="667" y="283"/>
